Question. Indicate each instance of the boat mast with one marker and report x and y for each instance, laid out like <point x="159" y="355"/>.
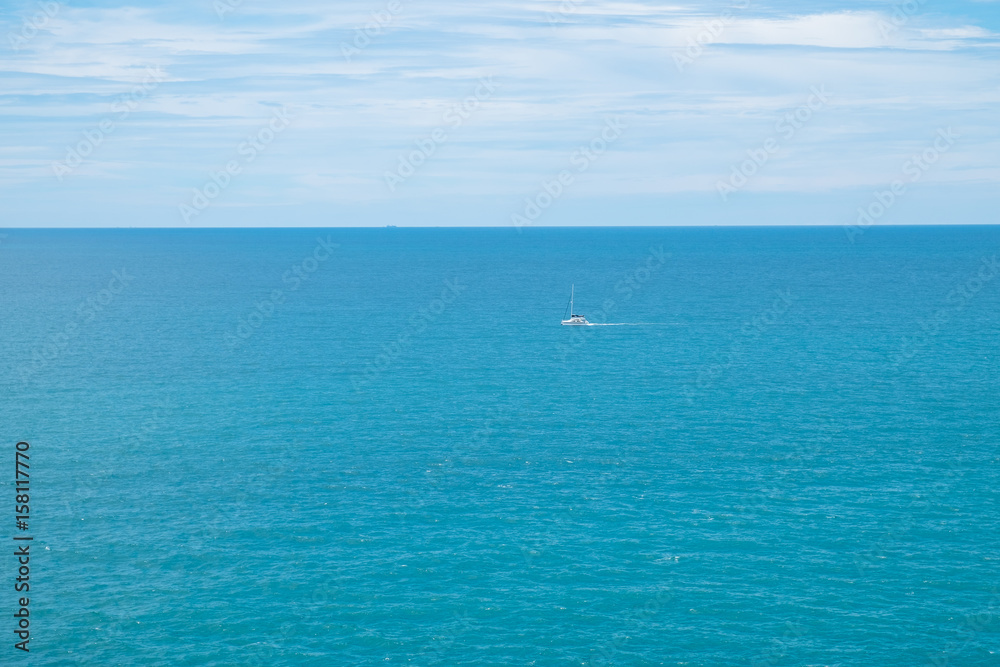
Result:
<point x="571" y="288"/>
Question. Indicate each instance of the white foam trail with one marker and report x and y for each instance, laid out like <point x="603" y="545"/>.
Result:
<point x="628" y="324"/>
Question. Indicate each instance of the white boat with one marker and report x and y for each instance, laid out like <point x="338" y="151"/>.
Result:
<point x="574" y="319"/>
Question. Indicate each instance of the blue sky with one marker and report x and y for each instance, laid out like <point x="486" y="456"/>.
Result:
<point x="312" y="116"/>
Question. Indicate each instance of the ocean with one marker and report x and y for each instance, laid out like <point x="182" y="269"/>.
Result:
<point x="379" y="446"/>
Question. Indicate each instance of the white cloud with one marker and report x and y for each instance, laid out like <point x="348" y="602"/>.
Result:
<point x="557" y="80"/>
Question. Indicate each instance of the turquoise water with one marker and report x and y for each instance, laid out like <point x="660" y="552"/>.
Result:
<point x="789" y="458"/>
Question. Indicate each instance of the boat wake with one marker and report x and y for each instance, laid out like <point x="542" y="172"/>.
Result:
<point x="581" y="321"/>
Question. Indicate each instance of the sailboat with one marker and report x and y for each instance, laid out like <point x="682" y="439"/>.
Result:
<point x="574" y="319"/>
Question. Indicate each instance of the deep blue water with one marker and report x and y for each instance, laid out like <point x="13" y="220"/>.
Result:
<point x="407" y="460"/>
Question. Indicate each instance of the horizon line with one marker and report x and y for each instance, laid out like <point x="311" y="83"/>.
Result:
<point x="510" y="227"/>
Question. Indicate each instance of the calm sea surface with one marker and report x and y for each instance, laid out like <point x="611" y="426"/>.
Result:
<point x="360" y="447"/>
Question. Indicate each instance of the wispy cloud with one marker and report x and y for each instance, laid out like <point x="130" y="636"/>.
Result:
<point x="564" y="71"/>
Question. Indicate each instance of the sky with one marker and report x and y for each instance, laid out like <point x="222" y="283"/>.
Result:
<point x="245" y="113"/>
